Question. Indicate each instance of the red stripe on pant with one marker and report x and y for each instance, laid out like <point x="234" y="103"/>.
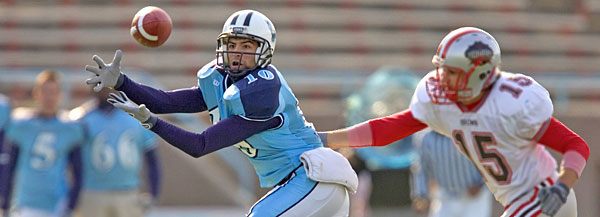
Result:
<point x="531" y="200"/>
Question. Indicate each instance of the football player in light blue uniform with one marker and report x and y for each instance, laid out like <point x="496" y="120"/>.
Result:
<point x="115" y="147"/>
<point x="251" y="106"/>
<point x="261" y="96"/>
<point x="44" y="142"/>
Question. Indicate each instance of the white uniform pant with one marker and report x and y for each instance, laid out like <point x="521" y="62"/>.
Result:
<point x="326" y="200"/>
<point x="301" y="197"/>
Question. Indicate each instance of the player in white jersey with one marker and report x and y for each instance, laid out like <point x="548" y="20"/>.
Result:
<point x="500" y="121"/>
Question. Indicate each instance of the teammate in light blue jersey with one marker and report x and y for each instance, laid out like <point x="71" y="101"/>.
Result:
<point x="115" y="147"/>
<point x="44" y="142"/>
<point x="251" y="107"/>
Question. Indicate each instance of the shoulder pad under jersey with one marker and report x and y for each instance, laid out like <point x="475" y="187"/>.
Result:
<point x="207" y="69"/>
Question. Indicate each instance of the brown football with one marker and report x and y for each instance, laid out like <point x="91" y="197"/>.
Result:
<point x="151" y="26"/>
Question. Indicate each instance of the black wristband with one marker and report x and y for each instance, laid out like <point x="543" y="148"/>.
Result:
<point x="148" y="124"/>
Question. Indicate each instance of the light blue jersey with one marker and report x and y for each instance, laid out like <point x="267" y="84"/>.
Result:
<point x="114" y="148"/>
<point x="261" y="95"/>
<point x="44" y="146"/>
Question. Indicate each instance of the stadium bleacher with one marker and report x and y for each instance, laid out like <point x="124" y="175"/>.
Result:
<point x="312" y="35"/>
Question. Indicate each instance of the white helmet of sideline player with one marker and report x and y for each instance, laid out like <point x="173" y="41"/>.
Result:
<point x="472" y="52"/>
<point x="249" y="24"/>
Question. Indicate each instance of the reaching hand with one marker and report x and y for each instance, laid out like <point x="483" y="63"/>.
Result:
<point x="141" y="113"/>
<point x="106" y="75"/>
<point x="553" y="197"/>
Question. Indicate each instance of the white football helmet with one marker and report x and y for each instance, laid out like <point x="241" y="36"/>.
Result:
<point x="472" y="52"/>
<point x="249" y="24"/>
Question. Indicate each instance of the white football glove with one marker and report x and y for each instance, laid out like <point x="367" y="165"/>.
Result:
<point x="141" y="113"/>
<point x="553" y="197"/>
<point x="106" y="75"/>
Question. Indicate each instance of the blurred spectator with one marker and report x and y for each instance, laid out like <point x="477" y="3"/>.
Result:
<point x="42" y="141"/>
<point x="112" y="161"/>
<point x="460" y="188"/>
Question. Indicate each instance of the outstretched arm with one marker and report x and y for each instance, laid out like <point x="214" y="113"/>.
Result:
<point x="336" y="139"/>
<point x="225" y="133"/>
<point x="109" y="75"/>
<point x="375" y="132"/>
<point x="188" y="100"/>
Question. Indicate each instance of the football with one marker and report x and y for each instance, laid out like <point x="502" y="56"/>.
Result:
<point x="151" y="26"/>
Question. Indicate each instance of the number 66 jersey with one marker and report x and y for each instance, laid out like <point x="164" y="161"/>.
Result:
<point x="499" y="135"/>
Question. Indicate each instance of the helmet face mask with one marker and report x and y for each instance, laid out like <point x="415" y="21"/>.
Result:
<point x="466" y="63"/>
<point x="246" y="24"/>
<point x="450" y="85"/>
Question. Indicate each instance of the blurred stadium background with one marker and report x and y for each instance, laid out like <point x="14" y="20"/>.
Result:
<point x="329" y="51"/>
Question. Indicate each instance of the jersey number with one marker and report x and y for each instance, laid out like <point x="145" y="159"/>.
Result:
<point x="43" y="152"/>
<point x="243" y="146"/>
<point x="501" y="172"/>
<point x="103" y="155"/>
<point x="266" y="74"/>
<point x="522" y="81"/>
<point x="247" y="149"/>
